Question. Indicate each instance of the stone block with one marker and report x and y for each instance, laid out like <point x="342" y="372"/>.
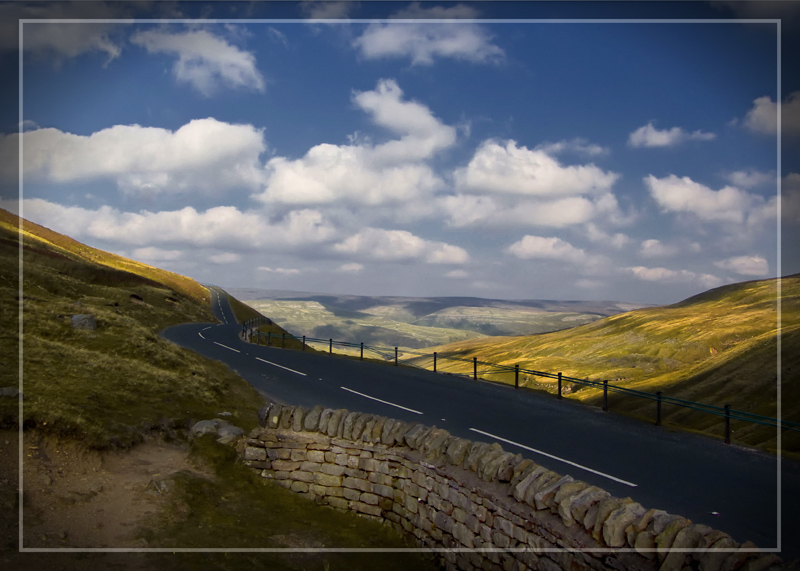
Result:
<point x="463" y="535"/>
<point x="644" y="545"/>
<point x="614" y="534"/>
<point x="298" y="418"/>
<point x="332" y="469"/>
<point x="598" y="513"/>
<point x="301" y="487"/>
<point x="488" y="463"/>
<point x="339" y="503"/>
<point x="665" y="538"/>
<point x="456" y="451"/>
<point x="253" y="453"/>
<point x="444" y="522"/>
<point x="685" y="541"/>
<point x="368" y="509"/>
<point x="349" y="421"/>
<point x="285" y="465"/>
<point x="500" y="539"/>
<point x="327" y="480"/>
<point x="351" y="494"/>
<point x="297" y="455"/>
<point x="386" y="433"/>
<point x="286" y="417"/>
<point x="311" y="420"/>
<point x="377" y="429"/>
<point x="357" y="484"/>
<point x="369" y="498"/>
<point x="383" y="491"/>
<point x="520" y="489"/>
<point x="323" y="420"/>
<point x="317" y="456"/>
<point x="545" y="496"/>
<point x="459" y="515"/>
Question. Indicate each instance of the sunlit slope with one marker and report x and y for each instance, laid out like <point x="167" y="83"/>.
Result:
<point x="112" y="385"/>
<point x="718" y="348"/>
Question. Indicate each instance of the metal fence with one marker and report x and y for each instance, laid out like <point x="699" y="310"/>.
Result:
<point x="250" y="331"/>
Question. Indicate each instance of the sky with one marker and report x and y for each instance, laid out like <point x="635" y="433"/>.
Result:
<point x="414" y="149"/>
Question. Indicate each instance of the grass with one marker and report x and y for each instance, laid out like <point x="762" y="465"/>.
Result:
<point x="238" y="509"/>
<point x="717" y="348"/>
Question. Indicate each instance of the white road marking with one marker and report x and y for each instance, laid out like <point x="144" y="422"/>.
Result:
<point x="231" y="348"/>
<point x="631" y="484"/>
<point x="200" y="334"/>
<point x="383" y="401"/>
<point x="209" y="327"/>
<point x="281" y="366"/>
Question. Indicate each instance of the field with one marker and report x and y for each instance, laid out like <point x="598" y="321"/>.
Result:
<point x="414" y="323"/>
<point x="719" y="347"/>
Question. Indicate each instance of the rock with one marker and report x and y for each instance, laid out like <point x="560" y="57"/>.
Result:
<point x="228" y="433"/>
<point x="10" y="392"/>
<point x="84" y="321"/>
<point x="614" y="526"/>
<point x="204" y="427"/>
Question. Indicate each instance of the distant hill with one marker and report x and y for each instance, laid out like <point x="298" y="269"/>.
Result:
<point x="416" y="322"/>
<point x="719" y="347"/>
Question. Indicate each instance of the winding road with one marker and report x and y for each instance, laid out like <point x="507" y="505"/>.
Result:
<point x="727" y="487"/>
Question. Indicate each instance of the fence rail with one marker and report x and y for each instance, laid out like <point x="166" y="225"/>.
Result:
<point x="250" y="331"/>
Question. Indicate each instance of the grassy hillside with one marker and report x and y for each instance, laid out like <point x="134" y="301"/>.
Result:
<point x="107" y="387"/>
<point x="717" y="348"/>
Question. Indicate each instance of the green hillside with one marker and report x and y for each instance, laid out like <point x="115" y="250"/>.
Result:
<point x="67" y="382"/>
<point x="719" y="347"/>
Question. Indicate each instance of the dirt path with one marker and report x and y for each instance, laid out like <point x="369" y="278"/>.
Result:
<point x="75" y="497"/>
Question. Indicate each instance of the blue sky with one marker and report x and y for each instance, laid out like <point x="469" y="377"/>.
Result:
<point x="624" y="161"/>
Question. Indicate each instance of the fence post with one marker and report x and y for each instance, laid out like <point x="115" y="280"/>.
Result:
<point x="605" y="395"/>
<point x="330" y="346"/>
<point x="283" y="339"/>
<point x="395" y="356"/>
<point x="304" y="342"/>
<point x="362" y="351"/>
<point x="559" y="385"/>
<point x="658" y="409"/>
<point x="727" y="424"/>
<point x="434" y="361"/>
<point x="269" y="335"/>
<point x="475" y="368"/>
<point x="516" y="376"/>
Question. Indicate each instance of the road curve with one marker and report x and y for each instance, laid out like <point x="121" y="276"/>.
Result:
<point x="729" y="488"/>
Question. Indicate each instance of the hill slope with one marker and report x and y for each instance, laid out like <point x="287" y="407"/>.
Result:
<point x="719" y="347"/>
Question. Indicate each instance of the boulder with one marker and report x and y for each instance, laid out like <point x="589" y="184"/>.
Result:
<point x="84" y="321"/>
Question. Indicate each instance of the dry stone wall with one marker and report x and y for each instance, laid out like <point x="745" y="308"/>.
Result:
<point x="482" y="507"/>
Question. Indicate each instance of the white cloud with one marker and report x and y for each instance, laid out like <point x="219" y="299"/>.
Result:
<point x="425" y="42"/>
<point x="204" y="60"/>
<point x="152" y="254"/>
<point x="284" y="271"/>
<point x="508" y="169"/>
<point x="763" y="116"/>
<point x="538" y="247"/>
<point x="673" y="276"/>
<point x="617" y="240"/>
<point x="351" y="268"/>
<point x="463" y="210"/>
<point x="578" y="145"/>
<point x="205" y="155"/>
<point x="656" y="249"/>
<point x="683" y="195"/>
<point x="363" y="173"/>
<point x="750" y="178"/>
<point x="219" y="227"/>
<point x="459" y="11"/>
<point x="649" y="136"/>
<point x="457" y="275"/>
<point x="745" y="265"/>
<point x="399" y="245"/>
<point x="225" y="258"/>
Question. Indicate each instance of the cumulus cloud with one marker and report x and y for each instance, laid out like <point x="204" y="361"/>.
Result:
<point x="745" y="265"/>
<point x="618" y="240"/>
<point x="363" y="173"/>
<point x="351" y="268"/>
<point x="284" y="271"/>
<point x="457" y="275"/>
<point x="225" y="258"/>
<point x="505" y="168"/>
<point x="552" y="248"/>
<point x="578" y="145"/>
<point x="649" y="136"/>
<point x="683" y="195"/>
<point x="152" y="254"/>
<point x="425" y="42"/>
<point x="750" y="178"/>
<point x="205" y="61"/>
<point x="205" y="155"/>
<point x="656" y="249"/>
<point x="763" y="116"/>
<point x="219" y="227"/>
<point x="399" y="245"/>
<point x="665" y="275"/>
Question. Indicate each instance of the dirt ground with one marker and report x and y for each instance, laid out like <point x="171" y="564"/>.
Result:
<point x="79" y="498"/>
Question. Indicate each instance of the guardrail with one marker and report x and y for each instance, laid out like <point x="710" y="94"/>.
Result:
<point x="249" y="329"/>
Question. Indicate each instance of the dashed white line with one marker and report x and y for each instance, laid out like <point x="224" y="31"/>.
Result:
<point x="383" y="401"/>
<point x="200" y="334"/>
<point x="631" y="484"/>
<point x="231" y="348"/>
<point x="281" y="366"/>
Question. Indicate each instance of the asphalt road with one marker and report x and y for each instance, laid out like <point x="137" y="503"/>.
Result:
<point x="727" y="487"/>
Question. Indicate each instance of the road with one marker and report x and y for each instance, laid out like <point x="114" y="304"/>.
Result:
<point x="727" y="487"/>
